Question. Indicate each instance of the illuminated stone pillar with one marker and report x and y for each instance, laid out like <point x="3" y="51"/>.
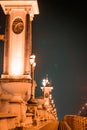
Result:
<point x="18" y="37"/>
<point x="28" y="44"/>
<point x="16" y="79"/>
<point x="46" y="88"/>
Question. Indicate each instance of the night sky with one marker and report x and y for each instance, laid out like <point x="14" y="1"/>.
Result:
<point x="60" y="46"/>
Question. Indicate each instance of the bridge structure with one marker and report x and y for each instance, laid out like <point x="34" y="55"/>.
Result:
<point x="17" y="84"/>
<point x="19" y="108"/>
<point x="73" y="122"/>
<point x="40" y="114"/>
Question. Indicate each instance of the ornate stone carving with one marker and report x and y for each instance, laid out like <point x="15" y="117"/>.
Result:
<point x="17" y="26"/>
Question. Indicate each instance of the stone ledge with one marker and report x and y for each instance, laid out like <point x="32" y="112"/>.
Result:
<point x="15" y="80"/>
<point x="6" y="115"/>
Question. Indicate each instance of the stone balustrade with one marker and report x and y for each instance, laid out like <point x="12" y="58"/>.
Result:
<point x="7" y="121"/>
<point x="63" y="126"/>
<point x="76" y="122"/>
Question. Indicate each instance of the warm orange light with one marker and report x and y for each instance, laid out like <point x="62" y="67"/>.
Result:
<point x="47" y="102"/>
<point x="16" y="67"/>
<point x="16" y="56"/>
<point x="34" y="64"/>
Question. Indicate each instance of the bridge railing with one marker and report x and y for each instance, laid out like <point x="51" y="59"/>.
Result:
<point x="76" y="122"/>
<point x="63" y="125"/>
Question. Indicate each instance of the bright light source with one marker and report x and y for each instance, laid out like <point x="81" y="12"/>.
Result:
<point x="44" y="82"/>
<point x="52" y="101"/>
<point x="32" y="59"/>
<point x="34" y="64"/>
<point x="50" y="96"/>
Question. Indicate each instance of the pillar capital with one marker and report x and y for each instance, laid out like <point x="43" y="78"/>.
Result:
<point x="29" y="11"/>
<point x="30" y="5"/>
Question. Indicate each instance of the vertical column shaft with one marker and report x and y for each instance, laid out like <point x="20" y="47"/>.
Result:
<point x="28" y="44"/>
<point x="32" y="82"/>
<point x="6" y="45"/>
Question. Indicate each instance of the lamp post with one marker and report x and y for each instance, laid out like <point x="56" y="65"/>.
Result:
<point x="44" y="82"/>
<point x="33" y="64"/>
<point x="32" y="103"/>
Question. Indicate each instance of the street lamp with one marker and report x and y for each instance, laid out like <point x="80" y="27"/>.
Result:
<point x="33" y="64"/>
<point x="45" y="82"/>
<point x="32" y="103"/>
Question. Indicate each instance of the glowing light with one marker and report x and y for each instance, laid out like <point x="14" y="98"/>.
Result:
<point x="34" y="64"/>
<point x="50" y="96"/>
<point x="52" y="101"/>
<point x="32" y="59"/>
<point x="83" y="108"/>
<point x="86" y="104"/>
<point x="55" y="109"/>
<point x="16" y="56"/>
<point x="16" y="67"/>
<point x="44" y="82"/>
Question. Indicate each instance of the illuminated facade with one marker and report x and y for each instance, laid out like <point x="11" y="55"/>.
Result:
<point x="18" y="75"/>
<point x="17" y="84"/>
<point x="46" y="88"/>
<point x="18" y="36"/>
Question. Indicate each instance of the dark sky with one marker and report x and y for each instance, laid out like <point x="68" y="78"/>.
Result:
<point x="60" y="45"/>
